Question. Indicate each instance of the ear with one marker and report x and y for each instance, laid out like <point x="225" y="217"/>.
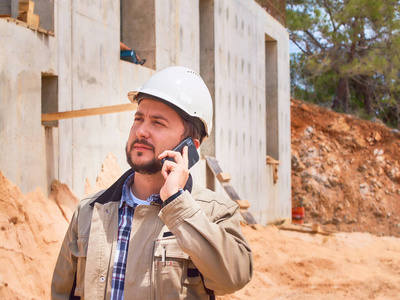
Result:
<point x="196" y="143"/>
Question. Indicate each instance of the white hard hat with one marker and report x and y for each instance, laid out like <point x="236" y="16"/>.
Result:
<point x="185" y="91"/>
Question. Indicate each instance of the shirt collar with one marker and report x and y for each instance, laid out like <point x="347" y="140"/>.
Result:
<point x="132" y="201"/>
<point x="114" y="192"/>
<point x="130" y="198"/>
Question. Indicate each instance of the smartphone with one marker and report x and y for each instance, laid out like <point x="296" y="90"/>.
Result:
<point x="193" y="155"/>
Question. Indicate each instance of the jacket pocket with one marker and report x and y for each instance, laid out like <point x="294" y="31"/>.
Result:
<point x="174" y="271"/>
<point x="79" y="250"/>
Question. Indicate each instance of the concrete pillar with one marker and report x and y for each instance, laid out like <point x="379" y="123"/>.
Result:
<point x="207" y="71"/>
<point x="271" y="87"/>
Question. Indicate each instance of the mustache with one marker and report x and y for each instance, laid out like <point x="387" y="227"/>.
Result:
<point x="143" y="142"/>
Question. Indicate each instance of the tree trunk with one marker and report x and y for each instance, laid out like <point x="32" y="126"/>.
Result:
<point x="368" y="95"/>
<point x="368" y="100"/>
<point x="341" y="99"/>
<point x="398" y="114"/>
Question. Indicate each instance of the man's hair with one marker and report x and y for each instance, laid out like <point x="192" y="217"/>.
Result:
<point x="191" y="130"/>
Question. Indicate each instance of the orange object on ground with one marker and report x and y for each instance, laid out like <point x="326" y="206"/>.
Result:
<point x="298" y="215"/>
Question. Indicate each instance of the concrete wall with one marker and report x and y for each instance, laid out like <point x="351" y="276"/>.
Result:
<point x="84" y="55"/>
<point x="177" y="33"/>
<point x="25" y="55"/>
<point x="240" y="106"/>
<point x="223" y="40"/>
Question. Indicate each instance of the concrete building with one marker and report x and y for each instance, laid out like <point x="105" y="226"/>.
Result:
<point x="72" y="62"/>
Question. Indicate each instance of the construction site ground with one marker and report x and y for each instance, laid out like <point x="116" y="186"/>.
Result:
<point x="345" y="172"/>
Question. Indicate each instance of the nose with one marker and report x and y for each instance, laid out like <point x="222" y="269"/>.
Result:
<point x="142" y="131"/>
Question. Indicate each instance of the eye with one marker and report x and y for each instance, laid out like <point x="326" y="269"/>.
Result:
<point x="138" y="119"/>
<point x="159" y="123"/>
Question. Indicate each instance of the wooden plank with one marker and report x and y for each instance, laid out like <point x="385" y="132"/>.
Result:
<point x="314" y="228"/>
<point x="89" y="112"/>
<point x="248" y="217"/>
<point x="224" y="177"/>
<point x="243" y="203"/>
<point x="24" y="24"/>
<point x="230" y="191"/>
<point x="213" y="164"/>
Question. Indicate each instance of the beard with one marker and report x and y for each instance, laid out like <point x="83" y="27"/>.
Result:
<point x="148" y="168"/>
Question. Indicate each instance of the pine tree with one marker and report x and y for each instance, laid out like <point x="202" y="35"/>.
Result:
<point x="351" y="47"/>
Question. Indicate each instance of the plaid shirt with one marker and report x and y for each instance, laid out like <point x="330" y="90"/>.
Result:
<point x="125" y="216"/>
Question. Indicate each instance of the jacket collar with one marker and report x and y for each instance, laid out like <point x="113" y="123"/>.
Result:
<point x="114" y="192"/>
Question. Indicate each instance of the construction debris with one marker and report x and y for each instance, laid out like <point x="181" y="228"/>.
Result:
<point x="306" y="228"/>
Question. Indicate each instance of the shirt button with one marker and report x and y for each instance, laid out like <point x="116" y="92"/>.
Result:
<point x="76" y="289"/>
<point x="107" y="211"/>
<point x="102" y="279"/>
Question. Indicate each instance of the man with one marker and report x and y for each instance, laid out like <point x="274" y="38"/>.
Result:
<point x="152" y="235"/>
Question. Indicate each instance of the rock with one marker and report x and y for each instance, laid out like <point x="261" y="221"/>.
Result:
<point x="378" y="213"/>
<point x="362" y="168"/>
<point x="336" y="170"/>
<point x="364" y="188"/>
<point x="378" y="152"/>
<point x="334" y="181"/>
<point x="321" y="178"/>
<point x="309" y="187"/>
<point x="351" y="221"/>
<point x="312" y="152"/>
<point x="331" y="161"/>
<point x="376" y="120"/>
<point x="308" y="132"/>
<point x="393" y="174"/>
<point x="297" y="165"/>
<point x="377" y="136"/>
<point x="395" y="131"/>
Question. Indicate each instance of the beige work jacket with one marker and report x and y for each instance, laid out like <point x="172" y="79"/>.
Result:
<point x="178" y="251"/>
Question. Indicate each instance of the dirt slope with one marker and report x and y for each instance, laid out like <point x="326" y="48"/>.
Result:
<point x="31" y="230"/>
<point x="345" y="171"/>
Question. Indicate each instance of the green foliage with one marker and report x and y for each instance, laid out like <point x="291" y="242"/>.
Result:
<point x="355" y="40"/>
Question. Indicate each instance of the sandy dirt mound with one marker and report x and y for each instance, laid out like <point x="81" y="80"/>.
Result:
<point x="31" y="230"/>
<point x="345" y="171"/>
<point x="110" y="171"/>
<point x="294" y="265"/>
